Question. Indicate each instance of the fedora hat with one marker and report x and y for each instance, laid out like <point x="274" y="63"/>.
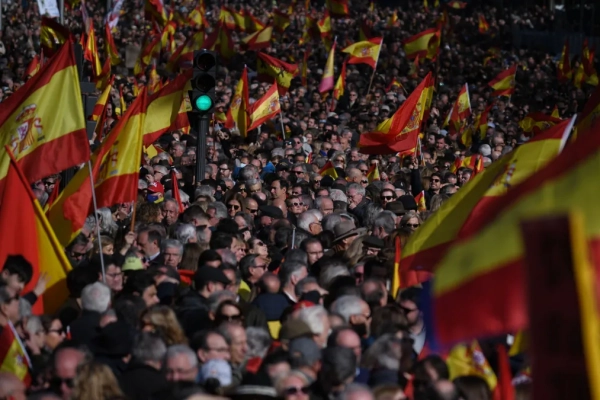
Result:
<point x="346" y="229"/>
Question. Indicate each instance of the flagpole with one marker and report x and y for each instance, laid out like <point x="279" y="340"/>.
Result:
<point x="375" y="67"/>
<point x="96" y="219"/>
<point x="282" y="127"/>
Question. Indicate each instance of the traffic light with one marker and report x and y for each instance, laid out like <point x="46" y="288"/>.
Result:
<point x="204" y="81"/>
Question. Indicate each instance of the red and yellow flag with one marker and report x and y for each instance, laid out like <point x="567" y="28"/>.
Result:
<point x="221" y="42"/>
<point x="338" y="89"/>
<point x="226" y="18"/>
<point x="149" y="51"/>
<point x="484" y="26"/>
<point x="474" y="163"/>
<point x="588" y="119"/>
<point x="101" y="103"/>
<point x="182" y="58"/>
<point x="364" y="32"/>
<point x="564" y="71"/>
<point x="373" y="173"/>
<point x="111" y="47"/>
<point x="423" y="45"/>
<point x="154" y="82"/>
<point x="34" y="240"/>
<point x="269" y="68"/>
<point x="328" y="170"/>
<point x="537" y="122"/>
<point x="366" y="52"/>
<point x="259" y="39"/>
<point x="395" y="83"/>
<point x="237" y="115"/>
<point x="337" y="8"/>
<point x="429" y="243"/>
<point x="457" y="5"/>
<point x="45" y="118"/>
<point x="468" y="360"/>
<point x="324" y="25"/>
<point x="91" y="52"/>
<point x="461" y="110"/>
<point x="400" y="132"/>
<point x="52" y="36"/>
<point x="13" y="356"/>
<point x="392" y="20"/>
<point x="265" y="108"/>
<point x="481" y="123"/>
<point x="33" y="67"/>
<point x="280" y="21"/>
<point x="326" y="83"/>
<point x="504" y="83"/>
<point x="420" y="200"/>
<point x="155" y="11"/>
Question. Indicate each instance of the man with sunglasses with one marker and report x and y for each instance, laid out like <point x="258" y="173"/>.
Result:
<point x="253" y="267"/>
<point x="409" y="303"/>
<point x="64" y="370"/>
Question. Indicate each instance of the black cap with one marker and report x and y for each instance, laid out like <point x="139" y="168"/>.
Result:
<point x="408" y="202"/>
<point x="373" y="241"/>
<point x="205" y="275"/>
<point x="271" y="211"/>
<point x="282" y="166"/>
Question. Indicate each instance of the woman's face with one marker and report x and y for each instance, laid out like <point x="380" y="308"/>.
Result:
<point x="260" y="248"/>
<point x="413" y="223"/>
<point x="55" y="334"/>
<point x="243" y="191"/>
<point x="233" y="207"/>
<point x="295" y="389"/>
<point x="231" y="314"/>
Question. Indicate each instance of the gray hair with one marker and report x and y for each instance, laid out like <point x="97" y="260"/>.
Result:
<point x="259" y="341"/>
<point x="95" y="297"/>
<point x="333" y="270"/>
<point x="247" y="173"/>
<point x="347" y="306"/>
<point x="25" y="308"/>
<point x="161" y="169"/>
<point x="184" y="233"/>
<point x="216" y="298"/>
<point x="142" y="184"/>
<point x="338" y="195"/>
<point x="371" y="211"/>
<point x="307" y="218"/>
<point x="149" y="348"/>
<point x="330" y="221"/>
<point x="204" y="190"/>
<point x="299" y="289"/>
<point x="183" y="196"/>
<point x="178" y="349"/>
<point x="385" y="220"/>
<point x="356" y="186"/>
<point x="385" y="352"/>
<point x="278" y="152"/>
<point x="313" y="317"/>
<point x="171" y="200"/>
<point x="355" y="388"/>
<point x="301" y="166"/>
<point x="410" y="214"/>
<point x="289" y="269"/>
<point x="208" y="169"/>
<point x="253" y="181"/>
<point x="319" y="201"/>
<point x="173" y="244"/>
<point x="34" y="325"/>
<point x="107" y="225"/>
<point x="220" y="209"/>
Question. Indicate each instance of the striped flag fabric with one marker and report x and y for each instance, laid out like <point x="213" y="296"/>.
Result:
<point x="13" y="356"/>
<point x="45" y="118"/>
<point x="35" y="241"/>
<point x="101" y="103"/>
<point x="52" y="36"/>
<point x="420" y="200"/>
<point x="326" y="83"/>
<point x="373" y="174"/>
<point x="111" y="47"/>
<point x="259" y="39"/>
<point x="461" y="110"/>
<point x="504" y="83"/>
<point x="473" y="162"/>
<point x="324" y="25"/>
<point x="237" y="115"/>
<point x="328" y="170"/>
<point x="33" y="67"/>
<point x="537" y="122"/>
<point x="366" y="52"/>
<point x="429" y="243"/>
<point x="337" y="8"/>
<point x="421" y="44"/>
<point x="269" y="68"/>
<point x="340" y="84"/>
<point x="280" y="20"/>
<point x="484" y="26"/>
<point x="265" y="108"/>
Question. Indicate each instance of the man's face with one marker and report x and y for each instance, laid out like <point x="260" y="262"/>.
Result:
<point x="49" y="184"/>
<point x="436" y="182"/>
<point x="65" y="371"/>
<point x="114" y="278"/>
<point x="255" y="188"/>
<point x="179" y="369"/>
<point x="239" y="345"/>
<point x="149" y="296"/>
<point x="258" y="269"/>
<point x="172" y="257"/>
<point x="314" y="252"/>
<point x="10" y="309"/>
<point x="440" y="144"/>
<point x="354" y="198"/>
<point x="224" y="171"/>
<point x="387" y="196"/>
<point x="149" y="248"/>
<point x="77" y="252"/>
<point x="326" y="207"/>
<point x="296" y="191"/>
<point x="217" y="349"/>
<point x="13" y="281"/>
<point x="411" y="311"/>
<point x="170" y="212"/>
<point x="465" y="177"/>
<point x="295" y="205"/>
<point x="277" y="191"/>
<point x="299" y="172"/>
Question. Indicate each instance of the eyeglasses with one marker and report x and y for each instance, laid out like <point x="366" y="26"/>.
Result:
<point x="298" y="172"/>
<point x="219" y="349"/>
<point x="435" y="180"/>
<point x="408" y="310"/>
<point x="233" y="207"/>
<point x="364" y="181"/>
<point x="339" y="160"/>
<point x="264" y="266"/>
<point x="412" y="225"/>
<point x="358" y="275"/>
<point x="364" y="171"/>
<point x="49" y="183"/>
<point x="230" y="318"/>
<point x="252" y="211"/>
<point x="261" y="244"/>
<point x="296" y="204"/>
<point x="242" y="189"/>
<point x="387" y="197"/>
<point x="57" y="382"/>
<point x="289" y="391"/>
<point x="16" y="297"/>
<point x="223" y="169"/>
<point x="296" y="142"/>
<point x="60" y="331"/>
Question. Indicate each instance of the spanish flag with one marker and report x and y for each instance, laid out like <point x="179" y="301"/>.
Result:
<point x="182" y="58"/>
<point x="338" y="89"/>
<point x="91" y="52"/>
<point x="13" y="356"/>
<point x="504" y="83"/>
<point x="423" y="45"/>
<point x="588" y="119"/>
<point x="324" y="25"/>
<point x="474" y="163"/>
<point x="429" y="243"/>
<point x="461" y="110"/>
<point x="280" y="20"/>
<point x="328" y="170"/>
<point x="149" y="51"/>
<point x="226" y="18"/>
<point x="364" y="32"/>
<point x="468" y="360"/>
<point x="237" y="115"/>
<point x="395" y="83"/>
<point x="45" y="118"/>
<point x="327" y="78"/>
<point x="33" y="67"/>
<point x="155" y="11"/>
<point x="269" y="68"/>
<point x="400" y="132"/>
<point x="482" y="122"/>
<point x="115" y="172"/>
<point x="414" y="68"/>
<point x="259" y="39"/>
<point x="366" y="52"/>
<point x="101" y="103"/>
<point x="105" y="76"/>
<point x="420" y="200"/>
<point x="457" y="5"/>
<point x="537" y="122"/>
<point x="484" y="27"/>
<point x="392" y="20"/>
<point x="373" y="174"/>
<point x="111" y="47"/>
<point x="337" y="8"/>
<point x="396" y="277"/>
<point x="223" y="43"/>
<point x="489" y="261"/>
<point x="52" y="36"/>
<point x="34" y="240"/>
<point x="153" y="80"/>
<point x="253" y="24"/>
<point x="265" y="108"/>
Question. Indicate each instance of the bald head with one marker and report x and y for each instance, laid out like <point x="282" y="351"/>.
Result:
<point x="349" y="339"/>
<point x="11" y="387"/>
<point x="66" y="362"/>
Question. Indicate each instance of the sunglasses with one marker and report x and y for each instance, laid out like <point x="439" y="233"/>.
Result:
<point x="57" y="382"/>
<point x="297" y="204"/>
<point x="412" y="225"/>
<point x="435" y="180"/>
<point x="261" y="244"/>
<point x="242" y="189"/>
<point x="298" y="172"/>
<point x="252" y="211"/>
<point x="364" y="171"/>
<point x="364" y="181"/>
<point x="387" y="197"/>
<point x="233" y="207"/>
<point x="230" y="318"/>
<point x="289" y="391"/>
<point x="407" y="310"/>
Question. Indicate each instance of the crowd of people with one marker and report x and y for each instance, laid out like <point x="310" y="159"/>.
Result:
<point x="270" y="280"/>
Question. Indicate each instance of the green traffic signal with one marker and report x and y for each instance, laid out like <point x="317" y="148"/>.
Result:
<point x="204" y="103"/>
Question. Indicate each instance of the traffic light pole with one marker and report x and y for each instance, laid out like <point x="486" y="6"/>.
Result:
<point x="203" y="126"/>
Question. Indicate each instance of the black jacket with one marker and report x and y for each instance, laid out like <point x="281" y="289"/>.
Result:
<point x="142" y="382"/>
<point x="192" y="312"/>
<point x="85" y="328"/>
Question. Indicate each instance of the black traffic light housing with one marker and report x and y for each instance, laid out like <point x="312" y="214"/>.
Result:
<point x="203" y="95"/>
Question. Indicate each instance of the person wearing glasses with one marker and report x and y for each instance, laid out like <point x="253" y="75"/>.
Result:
<point x="411" y="220"/>
<point x="253" y="267"/>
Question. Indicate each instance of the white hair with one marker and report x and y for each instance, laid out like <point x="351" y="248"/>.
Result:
<point x="107" y="225"/>
<point x="161" y="169"/>
<point x="356" y="388"/>
<point x="185" y="198"/>
<point x="95" y="297"/>
<point x="177" y="349"/>
<point x="259" y="341"/>
<point x="313" y="317"/>
<point x="338" y="195"/>
<point x="185" y="232"/>
<point x="347" y="306"/>
<point x="33" y="325"/>
<point x="307" y="218"/>
<point x="330" y="272"/>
